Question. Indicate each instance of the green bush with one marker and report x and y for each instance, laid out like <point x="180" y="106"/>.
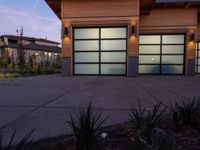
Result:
<point x="9" y="75"/>
<point x="186" y="114"/>
<point x="86" y="127"/>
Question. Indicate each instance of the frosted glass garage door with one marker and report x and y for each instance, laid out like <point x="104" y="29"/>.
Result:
<point x="100" y="51"/>
<point x="161" y="54"/>
<point x="198" y="58"/>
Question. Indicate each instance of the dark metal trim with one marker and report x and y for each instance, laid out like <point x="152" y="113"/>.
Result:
<point x="197" y="63"/>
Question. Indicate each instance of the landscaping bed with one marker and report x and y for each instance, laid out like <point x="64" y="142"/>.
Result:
<point x="175" y="127"/>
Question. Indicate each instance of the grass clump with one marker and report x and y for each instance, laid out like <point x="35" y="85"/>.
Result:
<point x="87" y="128"/>
<point x="186" y="114"/>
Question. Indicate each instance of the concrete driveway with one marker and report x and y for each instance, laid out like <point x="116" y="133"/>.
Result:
<point x="45" y="102"/>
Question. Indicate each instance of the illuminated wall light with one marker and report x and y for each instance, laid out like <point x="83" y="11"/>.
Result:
<point x="192" y="37"/>
<point x="66" y="32"/>
<point x="133" y="30"/>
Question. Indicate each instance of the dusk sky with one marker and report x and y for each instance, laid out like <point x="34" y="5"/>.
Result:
<point x="37" y="19"/>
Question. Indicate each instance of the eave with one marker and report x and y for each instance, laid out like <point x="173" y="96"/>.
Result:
<point x="55" y="5"/>
<point x="146" y="6"/>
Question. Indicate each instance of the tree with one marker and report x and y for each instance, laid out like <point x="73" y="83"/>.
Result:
<point x="20" y="51"/>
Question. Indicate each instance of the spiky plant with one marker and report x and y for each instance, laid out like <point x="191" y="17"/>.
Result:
<point x="24" y="144"/>
<point x="186" y="114"/>
<point x="144" y="122"/>
<point x="86" y="127"/>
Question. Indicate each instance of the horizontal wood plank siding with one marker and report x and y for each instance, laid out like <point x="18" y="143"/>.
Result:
<point x="99" y="8"/>
<point x="169" y="19"/>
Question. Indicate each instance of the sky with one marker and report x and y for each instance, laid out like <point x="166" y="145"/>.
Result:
<point x="35" y="16"/>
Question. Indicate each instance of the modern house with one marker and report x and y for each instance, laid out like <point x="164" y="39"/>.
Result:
<point x="129" y="37"/>
<point x="41" y="50"/>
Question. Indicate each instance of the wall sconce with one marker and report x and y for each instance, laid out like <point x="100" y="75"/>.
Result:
<point x="133" y="30"/>
<point x="66" y="32"/>
<point x="192" y="37"/>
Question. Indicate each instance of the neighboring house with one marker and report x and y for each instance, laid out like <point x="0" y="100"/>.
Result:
<point x="129" y="37"/>
<point x="40" y="50"/>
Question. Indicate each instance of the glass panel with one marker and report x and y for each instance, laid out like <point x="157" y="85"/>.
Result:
<point x="113" y="69"/>
<point x="172" y="69"/>
<point x="149" y="69"/>
<point x="173" y="49"/>
<point x="113" y="33"/>
<point x="147" y="49"/>
<point x="113" y="57"/>
<point x="198" y="69"/>
<point x="86" y="69"/>
<point x="113" y="45"/>
<point x="86" y="57"/>
<point x="86" y="45"/>
<point x="86" y="33"/>
<point x="172" y="59"/>
<point x="149" y="39"/>
<point x="173" y="39"/>
<point x="196" y="61"/>
<point x="149" y="59"/>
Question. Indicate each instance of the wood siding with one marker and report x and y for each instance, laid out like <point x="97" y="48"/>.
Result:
<point x="99" y="8"/>
<point x="168" y="19"/>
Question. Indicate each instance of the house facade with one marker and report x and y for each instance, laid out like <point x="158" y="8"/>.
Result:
<point x="41" y="51"/>
<point x="129" y="37"/>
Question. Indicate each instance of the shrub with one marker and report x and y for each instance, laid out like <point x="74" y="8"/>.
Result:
<point x="145" y="122"/>
<point x="186" y="114"/>
<point x="24" y="144"/>
<point x="49" y="71"/>
<point x="86" y="127"/>
<point x="9" y="75"/>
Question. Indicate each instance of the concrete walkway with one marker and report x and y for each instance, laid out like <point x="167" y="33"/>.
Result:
<point x="44" y="103"/>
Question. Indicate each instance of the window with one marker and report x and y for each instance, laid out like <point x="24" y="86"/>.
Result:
<point x="161" y="54"/>
<point x="100" y="51"/>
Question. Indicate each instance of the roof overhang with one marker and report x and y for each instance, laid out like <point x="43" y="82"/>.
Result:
<point x="55" y="5"/>
<point x="146" y="6"/>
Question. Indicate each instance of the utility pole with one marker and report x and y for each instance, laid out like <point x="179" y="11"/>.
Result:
<point x="20" y="50"/>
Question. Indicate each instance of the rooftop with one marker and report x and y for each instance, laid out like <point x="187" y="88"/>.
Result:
<point x="29" y="39"/>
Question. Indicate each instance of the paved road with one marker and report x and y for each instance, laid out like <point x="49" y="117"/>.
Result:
<point x="45" y="102"/>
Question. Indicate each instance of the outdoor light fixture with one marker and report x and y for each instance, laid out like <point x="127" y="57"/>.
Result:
<point x="66" y="32"/>
<point x="133" y="30"/>
<point x="192" y="37"/>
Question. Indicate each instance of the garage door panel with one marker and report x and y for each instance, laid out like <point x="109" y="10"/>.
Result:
<point x="107" y="45"/>
<point x="88" y="33"/>
<point x="173" y="39"/>
<point x="86" y="69"/>
<point x="86" y="45"/>
<point x="115" y="69"/>
<point x="171" y="59"/>
<point x="172" y="69"/>
<point x="113" y="32"/>
<point x="149" y="49"/>
<point x="149" y="39"/>
<point x="113" y="57"/>
<point x="173" y="49"/>
<point x="86" y="57"/>
<point x="149" y="69"/>
<point x="149" y="59"/>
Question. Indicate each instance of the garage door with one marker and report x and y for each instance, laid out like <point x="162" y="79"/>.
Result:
<point x="161" y="54"/>
<point x="100" y="51"/>
<point x="198" y="58"/>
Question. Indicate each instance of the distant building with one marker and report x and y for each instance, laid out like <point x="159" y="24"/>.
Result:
<point x="41" y="50"/>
